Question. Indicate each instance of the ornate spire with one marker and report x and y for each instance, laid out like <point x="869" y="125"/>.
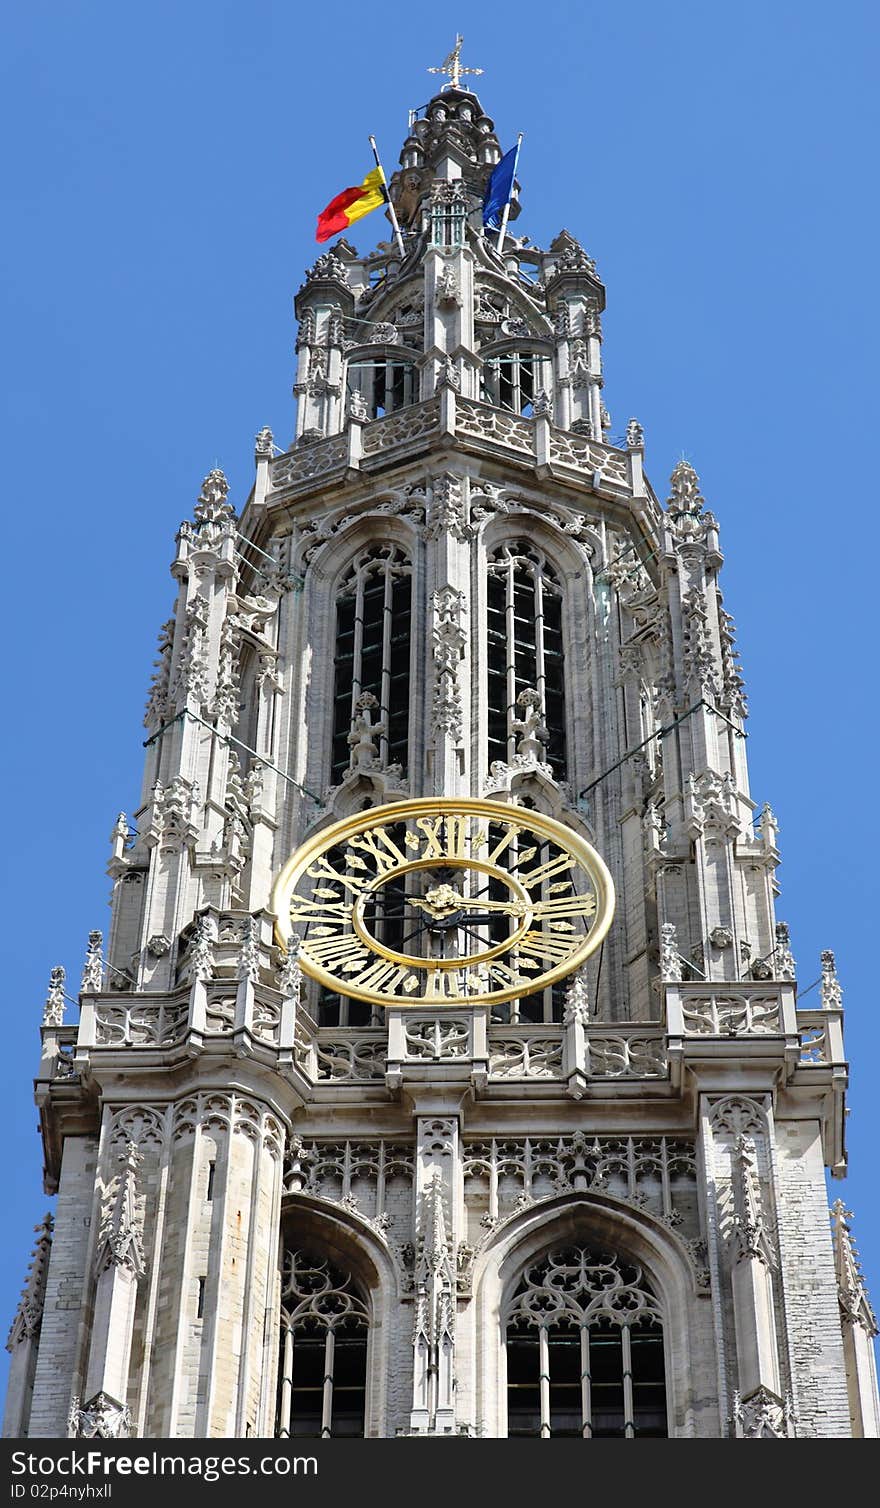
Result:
<point x="851" y="1289"/>
<point x="29" y="1314"/>
<point x="213" y="506"/>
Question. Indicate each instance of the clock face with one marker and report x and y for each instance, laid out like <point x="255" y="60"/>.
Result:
<point x="443" y="902"/>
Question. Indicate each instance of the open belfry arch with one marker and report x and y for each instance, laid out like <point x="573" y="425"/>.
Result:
<point x="441" y="1070"/>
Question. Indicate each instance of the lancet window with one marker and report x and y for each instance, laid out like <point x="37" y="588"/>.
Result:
<point x="584" y="1344"/>
<point x="373" y="612"/>
<point x="323" y="1367"/>
<point x="513" y="379"/>
<point x="385" y="384"/>
<point x="524" y="649"/>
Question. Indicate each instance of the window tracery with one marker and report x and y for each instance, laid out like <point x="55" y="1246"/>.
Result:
<point x="324" y="1327"/>
<point x="584" y="1344"/>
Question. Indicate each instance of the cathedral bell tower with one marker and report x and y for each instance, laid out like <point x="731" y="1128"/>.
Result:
<point x="441" y="1070"/>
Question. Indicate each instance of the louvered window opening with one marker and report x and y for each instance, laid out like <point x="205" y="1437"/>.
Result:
<point x="514" y="380"/>
<point x="373" y="621"/>
<point x="524" y="648"/>
<point x="385" y="386"/>
<point x="584" y="1346"/>
<point x="323" y="1353"/>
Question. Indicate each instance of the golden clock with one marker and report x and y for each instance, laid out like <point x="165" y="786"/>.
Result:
<point x="443" y="902"/>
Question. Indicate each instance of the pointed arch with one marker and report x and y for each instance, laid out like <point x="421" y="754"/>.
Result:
<point x="337" y="1289"/>
<point x="649" y="1260"/>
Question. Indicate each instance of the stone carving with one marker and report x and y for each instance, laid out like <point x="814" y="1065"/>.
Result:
<point x="784" y="964"/>
<point x="264" y="444"/>
<point x="763" y="1416"/>
<point x="290" y="974"/>
<point x="435" y="1039"/>
<point x="448" y="640"/>
<point x="93" y="969"/>
<point x="577" y="1000"/>
<point x="732" y="683"/>
<point x="157" y="698"/>
<point x="656" y="1173"/>
<point x="101" y="1419"/>
<point x="574" y="1286"/>
<point x="384" y="334"/>
<point x="718" y="1014"/>
<point x="227" y="691"/>
<point x="525" y="1057"/>
<point x="53" y="1010"/>
<point x="329" y="268"/>
<point x="670" y="958"/>
<point x="698" y="658"/>
<point x="851" y="1287"/>
<point x="635" y="435"/>
<point x="830" y="993"/>
<point x="249" y="954"/>
<point x="685" y="505"/>
<point x="721" y="938"/>
<point x="749" y="1233"/>
<point x="449" y="375"/>
<point x="29" y="1314"/>
<point x="213" y="505"/>
<point x="121" y="1233"/>
<point x="736" y="1115"/>
<point x="530" y="726"/>
<point x="446" y="510"/>
<point x="357" y="408"/>
<point x="447" y="291"/>
<point x="376" y="1170"/>
<point x="542" y="407"/>
<point x="363" y="740"/>
<point x="193" y="676"/>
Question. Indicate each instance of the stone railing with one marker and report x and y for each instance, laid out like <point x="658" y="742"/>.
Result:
<point x="477" y="426"/>
<point x="738" y="1009"/>
<point x="820" y="1033"/>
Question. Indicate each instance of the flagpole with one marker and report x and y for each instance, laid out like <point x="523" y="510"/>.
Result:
<point x="401" y="247"/>
<point x="506" y="216"/>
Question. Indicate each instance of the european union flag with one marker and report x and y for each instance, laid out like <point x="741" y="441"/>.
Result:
<point x="499" y="189"/>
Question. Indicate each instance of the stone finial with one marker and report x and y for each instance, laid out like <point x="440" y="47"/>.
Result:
<point x="768" y="827"/>
<point x="364" y="735"/>
<point x="533" y="731"/>
<point x="831" y="993"/>
<point x="93" y="969"/>
<point x="635" y="435"/>
<point x="357" y="408"/>
<point x="782" y="954"/>
<point x="577" y="1001"/>
<point x="851" y="1288"/>
<point x="290" y="974"/>
<point x="670" y="958"/>
<point x="264" y="444"/>
<point x="249" y="954"/>
<point x="329" y="268"/>
<point x="213" y="506"/>
<point x="53" y="1010"/>
<point x="542" y="407"/>
<point x="685" y="503"/>
<point x="202" y="950"/>
<point x="449" y="375"/>
<point x="29" y="1314"/>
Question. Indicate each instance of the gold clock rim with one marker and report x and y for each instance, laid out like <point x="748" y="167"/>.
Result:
<point x="396" y="811"/>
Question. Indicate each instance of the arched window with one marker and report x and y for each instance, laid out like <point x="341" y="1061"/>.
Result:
<point x="322" y="1378"/>
<point x="514" y="379"/>
<point x="524" y="648"/>
<point x="373" y="612"/>
<point x="585" y="1350"/>
<point x="385" y="383"/>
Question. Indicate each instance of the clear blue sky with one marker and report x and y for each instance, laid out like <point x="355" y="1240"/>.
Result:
<point x="164" y="167"/>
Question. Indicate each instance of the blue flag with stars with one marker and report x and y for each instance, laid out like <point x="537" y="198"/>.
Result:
<point x="499" y="189"/>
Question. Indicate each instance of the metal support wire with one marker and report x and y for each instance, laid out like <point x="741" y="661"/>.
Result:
<point x="229" y="738"/>
<point x="661" y="733"/>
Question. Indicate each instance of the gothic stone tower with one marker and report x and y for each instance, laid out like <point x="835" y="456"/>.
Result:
<point x="378" y="1139"/>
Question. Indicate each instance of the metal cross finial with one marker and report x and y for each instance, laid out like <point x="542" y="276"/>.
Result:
<point x="452" y="66"/>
